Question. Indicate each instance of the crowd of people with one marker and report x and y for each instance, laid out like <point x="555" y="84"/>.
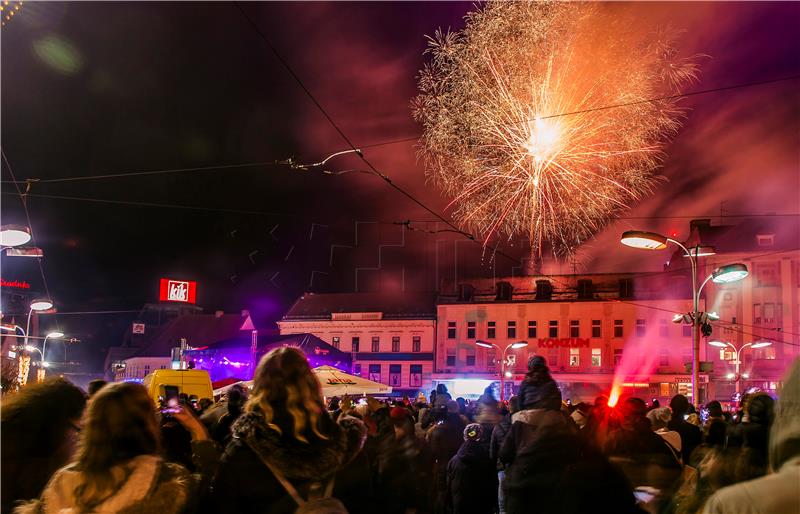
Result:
<point x="280" y="448"/>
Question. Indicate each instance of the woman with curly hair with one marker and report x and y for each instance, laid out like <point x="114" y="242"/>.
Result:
<point x="287" y="449"/>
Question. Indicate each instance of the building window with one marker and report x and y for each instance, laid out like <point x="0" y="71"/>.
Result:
<point x="376" y="344"/>
<point x="618" y="328"/>
<point x="766" y="274"/>
<point x="451" y="330"/>
<point x="768" y="314"/>
<point x="726" y="354"/>
<point x="553" y="328"/>
<point x="767" y="353"/>
<point x="162" y="367"/>
<point x="595" y="356"/>
<point x="375" y="372"/>
<point x="663" y="328"/>
<point x="415" y="378"/>
<point x="532" y="329"/>
<point x="663" y="358"/>
<point x="395" y="343"/>
<point x="512" y="329"/>
<point x="357" y="369"/>
<point x="451" y="358"/>
<point x="470" y="330"/>
<point x="765" y="240"/>
<point x="146" y="369"/>
<point x="416" y="344"/>
<point x="686" y="330"/>
<point x="355" y="345"/>
<point x="491" y="330"/>
<point x="640" y="327"/>
<point x="597" y="329"/>
<point x="574" y="328"/>
<point x="574" y="357"/>
<point x="335" y="342"/>
<point x="617" y="356"/>
<point x="395" y="373"/>
<point x="552" y="358"/>
<point x="470" y="359"/>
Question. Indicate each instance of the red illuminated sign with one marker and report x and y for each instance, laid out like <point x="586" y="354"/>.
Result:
<point x="567" y="342"/>
<point x="17" y="284"/>
<point x="184" y="291"/>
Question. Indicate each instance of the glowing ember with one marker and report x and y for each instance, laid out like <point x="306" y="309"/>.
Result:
<point x="487" y="100"/>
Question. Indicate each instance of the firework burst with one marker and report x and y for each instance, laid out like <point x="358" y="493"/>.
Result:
<point x="516" y="129"/>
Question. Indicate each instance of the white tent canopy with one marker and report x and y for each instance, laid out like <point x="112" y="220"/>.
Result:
<point x="335" y="382"/>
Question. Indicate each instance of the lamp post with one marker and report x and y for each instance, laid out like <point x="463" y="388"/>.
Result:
<point x="722" y="275"/>
<point x="737" y="355"/>
<point x="52" y="335"/>
<point x="512" y="346"/>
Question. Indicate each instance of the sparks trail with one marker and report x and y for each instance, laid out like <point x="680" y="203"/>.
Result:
<point x="491" y="143"/>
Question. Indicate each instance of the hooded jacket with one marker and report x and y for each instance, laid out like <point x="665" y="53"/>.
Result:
<point x="779" y="492"/>
<point x="244" y="484"/>
<point x="152" y="485"/>
<point x="471" y="481"/>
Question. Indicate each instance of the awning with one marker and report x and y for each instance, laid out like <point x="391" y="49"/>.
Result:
<point x="335" y="382"/>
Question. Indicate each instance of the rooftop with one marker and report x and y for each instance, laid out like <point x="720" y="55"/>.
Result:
<point x="313" y="306"/>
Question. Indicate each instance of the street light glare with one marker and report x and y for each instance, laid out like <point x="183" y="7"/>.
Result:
<point x="762" y="344"/>
<point x="730" y="375"/>
<point x="55" y="335"/>
<point x="484" y="344"/>
<point x="643" y="240"/>
<point x="30" y="348"/>
<point x="718" y="344"/>
<point x="41" y="304"/>
<point x="521" y="344"/>
<point x="14" y="235"/>
<point x="730" y="273"/>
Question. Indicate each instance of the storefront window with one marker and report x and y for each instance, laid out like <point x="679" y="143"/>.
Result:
<point x="574" y="357"/>
<point x="595" y="356"/>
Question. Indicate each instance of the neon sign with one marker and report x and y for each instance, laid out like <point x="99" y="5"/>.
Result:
<point x="566" y="342"/>
<point x="16" y="284"/>
<point x="184" y="291"/>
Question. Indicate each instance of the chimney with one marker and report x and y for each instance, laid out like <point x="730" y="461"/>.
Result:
<point x="504" y="292"/>
<point x="218" y="314"/>
<point x="626" y="288"/>
<point x="585" y="289"/>
<point x="466" y="292"/>
<point x="544" y="290"/>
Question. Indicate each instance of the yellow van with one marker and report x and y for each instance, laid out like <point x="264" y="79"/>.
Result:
<point x="163" y="384"/>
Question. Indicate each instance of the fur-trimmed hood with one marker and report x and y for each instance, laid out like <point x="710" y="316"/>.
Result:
<point x="314" y="461"/>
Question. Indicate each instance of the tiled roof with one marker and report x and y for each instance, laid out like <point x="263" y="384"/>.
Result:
<point x="198" y="330"/>
<point x="392" y="305"/>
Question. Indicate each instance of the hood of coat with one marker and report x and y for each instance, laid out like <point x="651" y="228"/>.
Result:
<point x="473" y="452"/>
<point x="784" y="441"/>
<point x="140" y="475"/>
<point x="539" y="417"/>
<point x="297" y="460"/>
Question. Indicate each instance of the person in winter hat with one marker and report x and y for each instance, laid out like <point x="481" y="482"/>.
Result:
<point x="659" y="419"/>
<point x="471" y="476"/>
<point x="538" y="390"/>
<point x="445" y="439"/>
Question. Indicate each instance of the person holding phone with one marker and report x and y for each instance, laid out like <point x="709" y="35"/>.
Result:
<point x="119" y="467"/>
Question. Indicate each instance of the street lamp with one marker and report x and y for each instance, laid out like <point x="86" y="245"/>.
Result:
<point x="14" y="235"/>
<point x="52" y="335"/>
<point x="737" y="353"/>
<point x="503" y="373"/>
<point x="722" y="275"/>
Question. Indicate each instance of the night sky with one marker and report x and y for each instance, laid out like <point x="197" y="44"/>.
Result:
<point x="103" y="88"/>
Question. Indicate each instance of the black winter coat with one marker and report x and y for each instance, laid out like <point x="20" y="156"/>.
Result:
<point x="544" y="395"/>
<point x="471" y="481"/>
<point x="405" y="476"/>
<point x="445" y="439"/>
<point x="244" y="484"/>
<point x="536" y="452"/>
<point x="691" y="436"/>
<point x="498" y="436"/>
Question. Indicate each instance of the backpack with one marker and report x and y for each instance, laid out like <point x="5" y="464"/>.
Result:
<point x="319" y="501"/>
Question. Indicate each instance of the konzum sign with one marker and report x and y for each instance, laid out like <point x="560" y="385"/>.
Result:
<point x="184" y="291"/>
<point x="564" y="342"/>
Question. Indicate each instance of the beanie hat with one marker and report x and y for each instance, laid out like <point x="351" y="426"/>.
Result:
<point x="537" y="361"/>
<point x="473" y="432"/>
<point x="399" y="414"/>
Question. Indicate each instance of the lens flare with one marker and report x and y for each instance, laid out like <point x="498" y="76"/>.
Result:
<point x="517" y="128"/>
